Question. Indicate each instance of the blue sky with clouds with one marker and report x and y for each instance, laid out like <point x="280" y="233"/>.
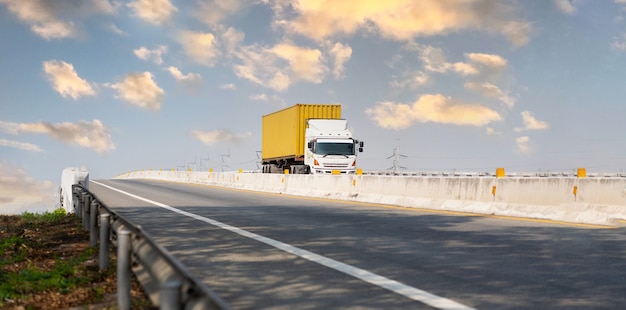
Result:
<point x="469" y="85"/>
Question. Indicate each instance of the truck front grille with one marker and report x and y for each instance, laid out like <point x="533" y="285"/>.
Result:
<point x="335" y="166"/>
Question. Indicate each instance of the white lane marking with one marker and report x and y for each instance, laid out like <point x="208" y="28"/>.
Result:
<point x="367" y="276"/>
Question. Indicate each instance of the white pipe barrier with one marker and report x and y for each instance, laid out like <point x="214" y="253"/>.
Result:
<point x="591" y="200"/>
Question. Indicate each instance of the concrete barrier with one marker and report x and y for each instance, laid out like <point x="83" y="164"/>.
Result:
<point x="592" y="200"/>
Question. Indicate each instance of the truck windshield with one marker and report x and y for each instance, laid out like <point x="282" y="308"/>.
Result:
<point x="334" y="148"/>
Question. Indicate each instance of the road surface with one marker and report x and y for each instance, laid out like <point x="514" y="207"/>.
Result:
<point x="272" y="251"/>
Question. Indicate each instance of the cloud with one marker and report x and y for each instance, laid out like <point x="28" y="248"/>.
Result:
<point x="518" y="32"/>
<point x="565" y="6"/>
<point x="189" y="77"/>
<point x="92" y="135"/>
<point x="411" y="80"/>
<point x="305" y="64"/>
<point x="531" y="123"/>
<point x="231" y="39"/>
<point x="66" y="81"/>
<point x="45" y="17"/>
<point x="11" y="128"/>
<point x="274" y="99"/>
<point x="619" y="44"/>
<point x="481" y="70"/>
<point x="153" y="11"/>
<point x="402" y="19"/>
<point x="213" y="12"/>
<point x="523" y="144"/>
<point x="340" y="54"/>
<point x="434" y="60"/>
<point x="280" y="66"/>
<point x="114" y="29"/>
<point x="259" y="66"/>
<point x="21" y="192"/>
<point x="201" y="47"/>
<point x="431" y="108"/>
<point x="219" y="135"/>
<point x="490" y="90"/>
<point x="229" y="86"/>
<point x="493" y="132"/>
<point x="139" y="89"/>
<point x="24" y="146"/>
<point x="488" y="65"/>
<point x="154" y="55"/>
<point x="483" y="66"/>
<point x="259" y="97"/>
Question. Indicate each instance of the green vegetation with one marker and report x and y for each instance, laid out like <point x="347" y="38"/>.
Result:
<point x="53" y="217"/>
<point x="46" y="263"/>
<point x="43" y="253"/>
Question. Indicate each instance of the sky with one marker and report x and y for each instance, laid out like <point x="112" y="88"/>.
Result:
<point x="468" y="85"/>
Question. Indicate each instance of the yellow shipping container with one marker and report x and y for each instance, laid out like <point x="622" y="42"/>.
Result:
<point x="283" y="131"/>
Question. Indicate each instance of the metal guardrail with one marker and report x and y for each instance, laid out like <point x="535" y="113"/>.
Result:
<point x="176" y="288"/>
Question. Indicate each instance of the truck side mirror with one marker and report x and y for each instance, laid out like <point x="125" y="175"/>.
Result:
<point x="310" y="145"/>
<point x="361" y="144"/>
<point x="360" y="150"/>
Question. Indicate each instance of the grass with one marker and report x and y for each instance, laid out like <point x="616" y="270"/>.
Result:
<point x="45" y="263"/>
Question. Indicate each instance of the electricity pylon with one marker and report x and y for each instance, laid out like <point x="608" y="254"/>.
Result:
<point x="396" y="160"/>
<point x="225" y="163"/>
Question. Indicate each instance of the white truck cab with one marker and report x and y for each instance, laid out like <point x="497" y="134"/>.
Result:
<point x="329" y="147"/>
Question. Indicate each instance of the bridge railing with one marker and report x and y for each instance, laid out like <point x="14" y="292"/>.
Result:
<point x="166" y="280"/>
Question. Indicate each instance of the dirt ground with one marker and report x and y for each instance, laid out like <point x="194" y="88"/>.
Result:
<point x="43" y="245"/>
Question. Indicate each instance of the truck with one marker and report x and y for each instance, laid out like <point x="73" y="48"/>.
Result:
<point x="308" y="139"/>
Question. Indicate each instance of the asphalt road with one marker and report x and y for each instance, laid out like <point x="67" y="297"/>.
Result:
<point x="281" y="252"/>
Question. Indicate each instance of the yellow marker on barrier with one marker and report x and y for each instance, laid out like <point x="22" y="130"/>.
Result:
<point x="359" y="171"/>
<point x="582" y="173"/>
<point x="353" y="182"/>
<point x="493" y="190"/>
<point x="286" y="171"/>
<point x="211" y="170"/>
<point x="575" y="191"/>
<point x="499" y="172"/>
<point x="240" y="170"/>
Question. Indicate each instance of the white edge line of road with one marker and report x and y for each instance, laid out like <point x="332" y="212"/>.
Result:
<point x="362" y="274"/>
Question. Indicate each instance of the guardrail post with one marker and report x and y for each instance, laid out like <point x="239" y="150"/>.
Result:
<point x="123" y="268"/>
<point x="104" y="241"/>
<point x="93" y="217"/>
<point x="86" y="202"/>
<point x="78" y="202"/>
<point x="169" y="295"/>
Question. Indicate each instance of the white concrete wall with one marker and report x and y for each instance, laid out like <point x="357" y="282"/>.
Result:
<point x="598" y="200"/>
